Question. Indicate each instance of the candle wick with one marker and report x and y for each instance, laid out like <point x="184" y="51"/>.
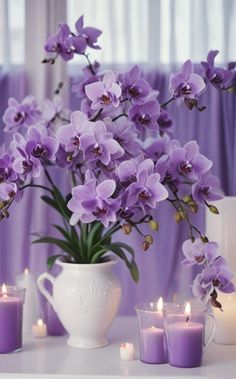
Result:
<point x="187" y="319"/>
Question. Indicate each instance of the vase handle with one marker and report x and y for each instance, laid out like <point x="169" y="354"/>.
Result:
<point x="43" y="290"/>
<point x="211" y="318"/>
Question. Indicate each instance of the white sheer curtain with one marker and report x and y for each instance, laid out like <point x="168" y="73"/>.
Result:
<point x="144" y="31"/>
<point x="159" y="31"/>
<point x="42" y="19"/>
<point x="12" y="21"/>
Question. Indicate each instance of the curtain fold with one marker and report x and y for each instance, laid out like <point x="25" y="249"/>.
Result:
<point x="42" y="20"/>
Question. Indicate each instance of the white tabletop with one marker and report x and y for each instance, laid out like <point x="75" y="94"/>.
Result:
<point x="51" y="358"/>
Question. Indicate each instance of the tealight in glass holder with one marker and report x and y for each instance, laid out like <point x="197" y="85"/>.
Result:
<point x="11" y="317"/>
<point x="153" y="346"/>
<point x="185" y="328"/>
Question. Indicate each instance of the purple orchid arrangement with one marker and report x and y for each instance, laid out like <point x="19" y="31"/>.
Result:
<point x="118" y="176"/>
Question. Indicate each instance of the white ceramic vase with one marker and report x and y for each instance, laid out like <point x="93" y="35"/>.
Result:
<point x="86" y="298"/>
<point x="222" y="229"/>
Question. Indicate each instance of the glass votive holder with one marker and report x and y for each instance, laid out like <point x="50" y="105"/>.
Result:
<point x="185" y="331"/>
<point x="152" y="339"/>
<point x="11" y="318"/>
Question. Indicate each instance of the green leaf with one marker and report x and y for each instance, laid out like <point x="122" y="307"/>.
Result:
<point x="65" y="234"/>
<point x="51" y="202"/>
<point x="61" y="202"/>
<point x="94" y="235"/>
<point x="97" y="257"/>
<point x="64" y="245"/>
<point x="134" y="271"/>
<point x="117" y="250"/>
<point x="126" y="247"/>
<point x="51" y="260"/>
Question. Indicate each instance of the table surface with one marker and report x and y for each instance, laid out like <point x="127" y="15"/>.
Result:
<point x="51" y="358"/>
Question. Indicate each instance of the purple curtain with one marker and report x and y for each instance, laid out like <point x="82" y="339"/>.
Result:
<point x="160" y="268"/>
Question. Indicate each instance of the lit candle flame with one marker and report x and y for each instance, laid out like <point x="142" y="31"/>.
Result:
<point x="26" y="271"/>
<point x="4" y="290"/>
<point x="40" y="322"/>
<point x="187" y="309"/>
<point x="160" y="304"/>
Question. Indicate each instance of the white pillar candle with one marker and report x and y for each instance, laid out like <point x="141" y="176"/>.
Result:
<point x="39" y="330"/>
<point x="127" y="351"/>
<point x="31" y="306"/>
<point x="226" y="320"/>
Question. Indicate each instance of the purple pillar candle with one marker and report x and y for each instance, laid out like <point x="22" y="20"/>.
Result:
<point x="185" y="343"/>
<point x="153" y="345"/>
<point x="11" y="317"/>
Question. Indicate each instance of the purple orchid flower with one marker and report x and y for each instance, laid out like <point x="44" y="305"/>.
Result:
<point x="41" y="146"/>
<point x="134" y="87"/>
<point x="69" y="135"/>
<point x="147" y="191"/>
<point x="90" y="76"/>
<point x="104" y="93"/>
<point x="127" y="170"/>
<point x="186" y="83"/>
<point x="155" y="148"/>
<point x="219" y="275"/>
<point x="124" y="132"/>
<point x="88" y="34"/>
<point x="50" y="109"/>
<point x="90" y="202"/>
<point x="6" y="170"/>
<point x="145" y="115"/>
<point x="199" y="252"/>
<point x="207" y="188"/>
<point x="201" y="289"/>
<point x="98" y="145"/>
<point x="21" y="114"/>
<point x="165" y="122"/>
<point x="24" y="163"/>
<point x="60" y="44"/>
<point x="8" y="190"/>
<point x="188" y="162"/>
<point x="218" y="77"/>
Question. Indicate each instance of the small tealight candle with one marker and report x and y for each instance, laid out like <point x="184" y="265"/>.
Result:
<point x="127" y="351"/>
<point x="39" y="330"/>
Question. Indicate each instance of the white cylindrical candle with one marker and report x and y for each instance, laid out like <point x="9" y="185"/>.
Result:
<point x="220" y="228"/>
<point x="39" y="330"/>
<point x="31" y="306"/>
<point x="127" y="351"/>
<point x="226" y="320"/>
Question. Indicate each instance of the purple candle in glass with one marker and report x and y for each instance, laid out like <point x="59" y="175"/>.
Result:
<point x="153" y="347"/>
<point x="185" y="336"/>
<point x="11" y="317"/>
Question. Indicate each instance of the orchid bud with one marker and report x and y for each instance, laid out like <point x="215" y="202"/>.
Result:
<point x="149" y="239"/>
<point x="5" y="213"/>
<point x="193" y="207"/>
<point x="145" y="245"/>
<point x="204" y="239"/>
<point x="213" y="209"/>
<point x="154" y="225"/>
<point x="178" y="217"/>
<point x="187" y="199"/>
<point x="127" y="228"/>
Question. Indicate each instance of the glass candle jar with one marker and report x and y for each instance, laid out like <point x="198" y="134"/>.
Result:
<point x="11" y="317"/>
<point x="185" y="331"/>
<point x="153" y="347"/>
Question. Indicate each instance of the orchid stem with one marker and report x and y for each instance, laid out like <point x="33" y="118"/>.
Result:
<point x="119" y="116"/>
<point x="167" y="102"/>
